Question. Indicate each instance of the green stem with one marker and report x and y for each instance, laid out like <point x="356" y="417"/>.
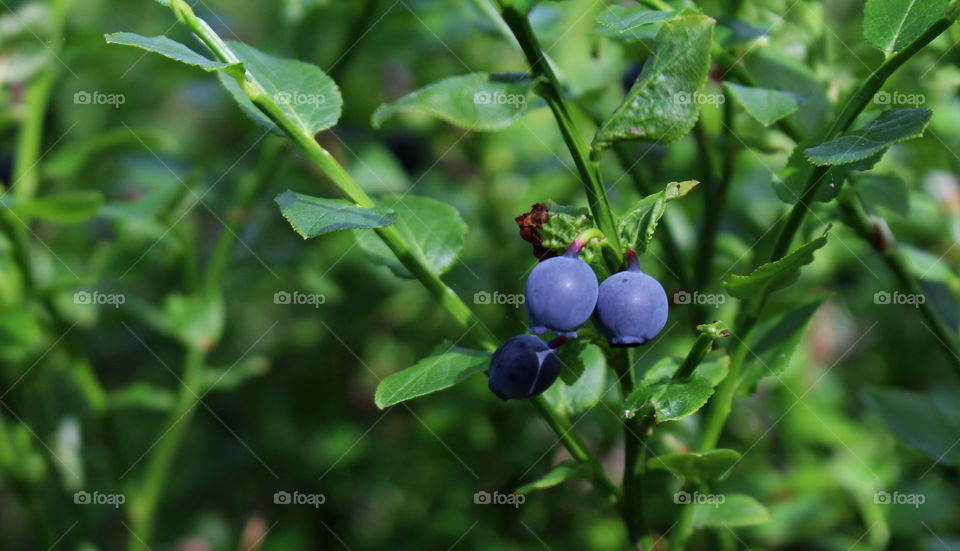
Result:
<point x="359" y="27"/>
<point x="550" y="90"/>
<point x="576" y="447"/>
<point x="245" y="193"/>
<point x="722" y="401"/>
<point x="305" y="141"/>
<point x="143" y="509"/>
<point x="851" y="110"/>
<point x="857" y="219"/>
<point x="634" y="435"/>
<point x="160" y="461"/>
<point x="701" y="347"/>
<point x="699" y="350"/>
<point x="711" y="212"/>
<point x="389" y="235"/>
<point x="26" y="177"/>
<point x="665" y="232"/>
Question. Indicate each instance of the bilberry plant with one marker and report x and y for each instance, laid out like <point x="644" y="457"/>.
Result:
<point x="699" y="95"/>
<point x="662" y="106"/>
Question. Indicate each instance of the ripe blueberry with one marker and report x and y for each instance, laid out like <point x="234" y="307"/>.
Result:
<point x="523" y="367"/>
<point x="561" y="293"/>
<point x="631" y="306"/>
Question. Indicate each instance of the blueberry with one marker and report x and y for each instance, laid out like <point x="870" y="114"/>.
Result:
<point x="561" y="293"/>
<point x="632" y="306"/>
<point x="523" y="367"/>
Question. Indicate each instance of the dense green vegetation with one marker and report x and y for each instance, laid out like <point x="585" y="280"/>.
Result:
<point x="255" y="258"/>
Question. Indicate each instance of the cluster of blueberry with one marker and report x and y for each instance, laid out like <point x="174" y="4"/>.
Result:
<point x="630" y="307"/>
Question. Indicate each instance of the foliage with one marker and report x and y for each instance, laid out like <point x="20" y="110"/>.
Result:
<point x="194" y="354"/>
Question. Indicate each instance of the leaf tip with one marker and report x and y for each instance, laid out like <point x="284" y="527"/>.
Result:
<point x="381" y="114"/>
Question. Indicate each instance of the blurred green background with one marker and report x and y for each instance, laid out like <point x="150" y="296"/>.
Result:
<point x="83" y="406"/>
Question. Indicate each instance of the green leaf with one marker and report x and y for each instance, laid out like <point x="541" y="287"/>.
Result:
<point x="890" y="25"/>
<point x="194" y="320"/>
<point x="715" y="329"/>
<point x="675" y="399"/>
<point x="624" y="19"/>
<point x="697" y="467"/>
<point x="891" y="127"/>
<point x="66" y="207"/>
<point x="778" y="342"/>
<point x="776" y="71"/>
<point x="302" y="91"/>
<point x="735" y="510"/>
<point x="70" y="159"/>
<point x="20" y="456"/>
<point x="663" y="104"/>
<point x="766" y="105"/>
<point x="433" y="229"/>
<point x="773" y="275"/>
<point x="732" y="32"/>
<point x="446" y="366"/>
<point x="587" y="390"/>
<point x="638" y="225"/>
<point x="919" y="421"/>
<point x="564" y="223"/>
<point x="713" y="369"/>
<point x="22" y="335"/>
<point x="229" y="378"/>
<point x="144" y="396"/>
<point x="247" y="106"/>
<point x="312" y="216"/>
<point x="478" y="101"/>
<point x="885" y="190"/>
<point x="173" y="50"/>
<point x="197" y="319"/>
<point x="571" y="358"/>
<point x="563" y="472"/>
<point x="798" y="172"/>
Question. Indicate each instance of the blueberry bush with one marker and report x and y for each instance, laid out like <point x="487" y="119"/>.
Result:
<point x="572" y="274"/>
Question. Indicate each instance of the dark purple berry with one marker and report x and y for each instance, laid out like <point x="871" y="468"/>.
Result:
<point x="523" y="367"/>
<point x="561" y="293"/>
<point x="631" y="306"/>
